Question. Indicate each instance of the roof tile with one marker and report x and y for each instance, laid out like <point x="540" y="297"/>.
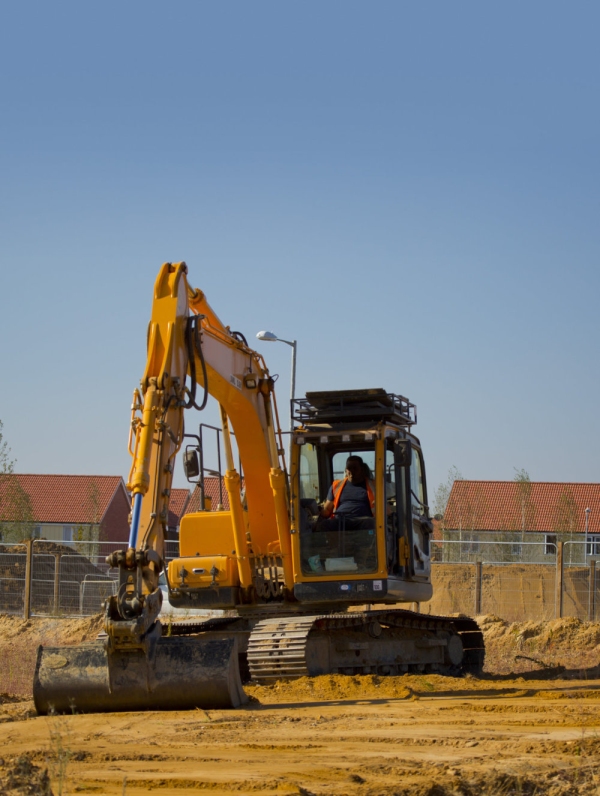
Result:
<point x="516" y="506"/>
<point x="69" y="499"/>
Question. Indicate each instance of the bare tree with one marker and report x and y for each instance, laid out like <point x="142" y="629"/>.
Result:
<point x="526" y="505"/>
<point x="442" y="493"/>
<point x="16" y="511"/>
<point x="87" y="534"/>
<point x="565" y="517"/>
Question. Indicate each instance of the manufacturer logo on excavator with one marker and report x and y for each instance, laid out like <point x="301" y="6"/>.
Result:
<point x="235" y="381"/>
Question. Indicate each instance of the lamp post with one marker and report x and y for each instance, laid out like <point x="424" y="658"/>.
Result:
<point x="588" y="545"/>
<point x="270" y="337"/>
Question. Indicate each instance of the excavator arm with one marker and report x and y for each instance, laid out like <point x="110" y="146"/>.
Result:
<point x="134" y="666"/>
<point x="187" y="339"/>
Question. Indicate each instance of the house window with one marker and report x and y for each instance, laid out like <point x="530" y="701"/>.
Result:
<point x="67" y="533"/>
<point x="37" y="532"/>
<point x="516" y="549"/>
<point x="593" y="545"/>
<point x="472" y="546"/>
<point x="550" y="544"/>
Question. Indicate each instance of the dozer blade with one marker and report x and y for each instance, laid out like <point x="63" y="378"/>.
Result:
<point x="183" y="673"/>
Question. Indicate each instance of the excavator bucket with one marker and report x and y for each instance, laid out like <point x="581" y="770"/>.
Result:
<point x="182" y="673"/>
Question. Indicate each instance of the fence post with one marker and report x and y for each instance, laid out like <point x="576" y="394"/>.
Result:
<point x="592" y="591"/>
<point x="477" y="588"/>
<point x="28" y="576"/>
<point x="56" y="582"/>
<point x="560" y="571"/>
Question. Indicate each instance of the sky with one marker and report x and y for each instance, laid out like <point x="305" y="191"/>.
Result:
<point x="409" y="190"/>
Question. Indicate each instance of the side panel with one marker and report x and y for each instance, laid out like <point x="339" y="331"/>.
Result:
<point x="206" y="533"/>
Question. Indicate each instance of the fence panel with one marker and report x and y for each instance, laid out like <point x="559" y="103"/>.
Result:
<point x="94" y="592"/>
<point x="486" y="577"/>
<point x="518" y="592"/>
<point x="171" y="549"/>
<point x="512" y="585"/>
<point x="59" y="571"/>
<point x="13" y="561"/>
<point x="71" y="578"/>
<point x="45" y="581"/>
<point x="578" y="581"/>
<point x="453" y="584"/>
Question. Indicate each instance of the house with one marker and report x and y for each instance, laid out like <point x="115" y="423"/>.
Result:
<point x="65" y="508"/>
<point x="178" y="506"/>
<point x="521" y="521"/>
<point x="214" y="494"/>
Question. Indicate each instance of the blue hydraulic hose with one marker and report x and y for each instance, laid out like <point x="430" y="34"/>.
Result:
<point x="135" y="519"/>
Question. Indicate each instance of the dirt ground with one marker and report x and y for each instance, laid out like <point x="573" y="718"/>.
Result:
<point x="530" y="725"/>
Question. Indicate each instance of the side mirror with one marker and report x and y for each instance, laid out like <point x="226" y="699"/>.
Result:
<point x="191" y="465"/>
<point x="403" y="452"/>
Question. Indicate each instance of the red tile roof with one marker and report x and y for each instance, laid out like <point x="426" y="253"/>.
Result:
<point x="77" y="499"/>
<point x="515" y="506"/>
<point x="211" y="485"/>
<point x="177" y="505"/>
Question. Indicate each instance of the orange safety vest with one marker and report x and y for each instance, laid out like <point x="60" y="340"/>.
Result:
<point x="338" y="494"/>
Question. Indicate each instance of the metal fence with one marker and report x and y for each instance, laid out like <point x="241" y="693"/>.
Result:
<point x="60" y="579"/>
<point x="13" y="563"/>
<point x="496" y="581"/>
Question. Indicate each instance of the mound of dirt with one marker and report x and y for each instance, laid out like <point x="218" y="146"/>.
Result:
<point x="21" y="776"/>
<point x="20" y="639"/>
<point x="334" y="687"/>
<point x="572" y="783"/>
<point x="49" y="630"/>
<point x="520" y="647"/>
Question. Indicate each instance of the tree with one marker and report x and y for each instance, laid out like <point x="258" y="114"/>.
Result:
<point x="442" y="493"/>
<point x="6" y="464"/>
<point x="86" y="535"/>
<point x="16" y="511"/>
<point x="565" y="517"/>
<point x="526" y="505"/>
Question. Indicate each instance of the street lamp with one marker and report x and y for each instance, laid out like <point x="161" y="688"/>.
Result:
<point x="588" y="545"/>
<point x="270" y="337"/>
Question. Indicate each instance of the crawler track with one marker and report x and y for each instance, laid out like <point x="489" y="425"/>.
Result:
<point x="383" y="642"/>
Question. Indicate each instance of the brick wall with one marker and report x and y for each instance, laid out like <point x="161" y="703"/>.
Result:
<point x="115" y="523"/>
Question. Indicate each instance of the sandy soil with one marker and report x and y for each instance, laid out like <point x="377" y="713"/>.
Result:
<point x="529" y="733"/>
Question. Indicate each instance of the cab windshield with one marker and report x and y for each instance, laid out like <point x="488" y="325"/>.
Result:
<point x="344" y="542"/>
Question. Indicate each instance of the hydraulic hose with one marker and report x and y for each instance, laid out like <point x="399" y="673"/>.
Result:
<point x="194" y="344"/>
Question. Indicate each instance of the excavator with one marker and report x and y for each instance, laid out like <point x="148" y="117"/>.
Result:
<point x="296" y="596"/>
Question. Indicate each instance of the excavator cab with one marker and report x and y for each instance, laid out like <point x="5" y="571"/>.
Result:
<point x="383" y="557"/>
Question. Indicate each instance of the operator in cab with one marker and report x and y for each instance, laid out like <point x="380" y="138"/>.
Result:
<point x="350" y="502"/>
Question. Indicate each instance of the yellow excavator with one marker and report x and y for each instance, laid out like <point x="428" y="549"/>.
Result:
<point x="299" y="595"/>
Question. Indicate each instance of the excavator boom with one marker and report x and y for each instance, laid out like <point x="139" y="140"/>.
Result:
<point x="134" y="666"/>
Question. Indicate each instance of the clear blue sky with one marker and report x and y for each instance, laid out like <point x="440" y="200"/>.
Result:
<point x="409" y="189"/>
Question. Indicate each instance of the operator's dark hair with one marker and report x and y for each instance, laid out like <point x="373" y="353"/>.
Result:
<point x="354" y="458"/>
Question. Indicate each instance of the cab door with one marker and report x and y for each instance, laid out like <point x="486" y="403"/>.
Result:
<point x="422" y="526"/>
<point x="408" y="526"/>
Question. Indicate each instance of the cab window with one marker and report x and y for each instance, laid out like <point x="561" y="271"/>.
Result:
<point x="309" y="472"/>
<point x="417" y="484"/>
<point x="336" y="545"/>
